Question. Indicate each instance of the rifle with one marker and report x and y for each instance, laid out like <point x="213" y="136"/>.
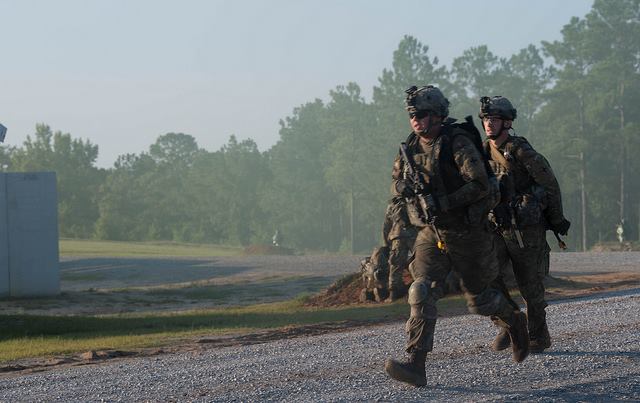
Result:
<point x="514" y="225"/>
<point x="426" y="201"/>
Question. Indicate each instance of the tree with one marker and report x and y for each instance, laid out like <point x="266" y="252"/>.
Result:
<point x="589" y="105"/>
<point x="78" y="179"/>
<point x="297" y="199"/>
<point x="126" y="200"/>
<point x="356" y="166"/>
<point x="476" y="73"/>
<point x="174" y="149"/>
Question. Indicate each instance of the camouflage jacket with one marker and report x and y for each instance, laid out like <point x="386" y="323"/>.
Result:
<point x="531" y="180"/>
<point x="454" y="170"/>
<point x="396" y="222"/>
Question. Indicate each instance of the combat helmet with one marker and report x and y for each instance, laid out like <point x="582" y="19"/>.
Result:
<point x="427" y="98"/>
<point x="497" y="106"/>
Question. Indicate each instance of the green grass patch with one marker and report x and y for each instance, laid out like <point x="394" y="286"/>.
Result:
<point x="76" y="247"/>
<point x="24" y="336"/>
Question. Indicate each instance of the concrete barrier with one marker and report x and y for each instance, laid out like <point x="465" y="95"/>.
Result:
<point x="4" y="239"/>
<point x="29" y="243"/>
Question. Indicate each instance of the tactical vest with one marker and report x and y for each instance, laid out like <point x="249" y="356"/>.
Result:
<point x="441" y="173"/>
<point x="519" y="190"/>
<point x="522" y="181"/>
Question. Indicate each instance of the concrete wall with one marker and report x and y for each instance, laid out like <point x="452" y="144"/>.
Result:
<point x="32" y="233"/>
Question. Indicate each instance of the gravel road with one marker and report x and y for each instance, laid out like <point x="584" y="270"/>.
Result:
<point x="595" y="357"/>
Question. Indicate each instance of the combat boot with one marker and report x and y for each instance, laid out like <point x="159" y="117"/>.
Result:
<point x="519" y="336"/>
<point x="502" y="340"/>
<point x="540" y="342"/>
<point x="412" y="372"/>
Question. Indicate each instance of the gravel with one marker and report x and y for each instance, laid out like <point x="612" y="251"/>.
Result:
<point x="594" y="262"/>
<point x="595" y="357"/>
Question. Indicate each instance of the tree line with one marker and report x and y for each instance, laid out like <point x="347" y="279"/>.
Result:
<point x="325" y="184"/>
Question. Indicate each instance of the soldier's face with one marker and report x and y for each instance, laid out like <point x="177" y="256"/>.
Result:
<point x="420" y="121"/>
<point x="493" y="125"/>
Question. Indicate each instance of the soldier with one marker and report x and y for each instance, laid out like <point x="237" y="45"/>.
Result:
<point x="455" y="187"/>
<point x="375" y="275"/>
<point x="277" y="238"/>
<point x="530" y="204"/>
<point x="398" y="236"/>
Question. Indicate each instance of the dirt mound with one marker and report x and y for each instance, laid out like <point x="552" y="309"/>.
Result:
<point x="267" y="250"/>
<point x="345" y="291"/>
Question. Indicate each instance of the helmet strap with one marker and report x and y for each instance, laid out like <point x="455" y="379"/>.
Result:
<point x="425" y="133"/>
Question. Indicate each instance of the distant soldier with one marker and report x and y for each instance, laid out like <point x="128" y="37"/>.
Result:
<point x="530" y="204"/>
<point x="620" y="232"/>
<point x="375" y="275"/>
<point x="398" y="236"/>
<point x="276" y="239"/>
<point x="442" y="171"/>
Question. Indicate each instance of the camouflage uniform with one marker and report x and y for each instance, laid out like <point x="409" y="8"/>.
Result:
<point x="454" y="171"/>
<point x="531" y="196"/>
<point x="470" y="250"/>
<point x="399" y="236"/>
<point x="375" y="275"/>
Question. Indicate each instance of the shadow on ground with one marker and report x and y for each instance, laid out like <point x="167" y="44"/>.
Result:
<point x="167" y="297"/>
<point x="104" y="273"/>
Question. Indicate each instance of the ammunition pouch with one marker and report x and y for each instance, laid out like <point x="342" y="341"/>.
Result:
<point x="529" y="207"/>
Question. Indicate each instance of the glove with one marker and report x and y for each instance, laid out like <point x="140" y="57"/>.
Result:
<point x="562" y="227"/>
<point x="404" y="189"/>
<point x="502" y="215"/>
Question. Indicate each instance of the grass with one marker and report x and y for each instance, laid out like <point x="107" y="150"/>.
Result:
<point x="26" y="336"/>
<point x="76" y="247"/>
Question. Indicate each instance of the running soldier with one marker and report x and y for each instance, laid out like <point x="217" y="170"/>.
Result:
<point x="445" y="175"/>
<point x="530" y="204"/>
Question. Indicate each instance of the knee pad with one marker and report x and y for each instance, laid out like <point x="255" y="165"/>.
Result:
<point x="418" y="292"/>
<point x="422" y="301"/>
<point x="488" y="302"/>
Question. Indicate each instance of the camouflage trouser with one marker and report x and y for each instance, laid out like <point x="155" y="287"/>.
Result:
<point x="399" y="261"/>
<point x="530" y="266"/>
<point x="471" y="255"/>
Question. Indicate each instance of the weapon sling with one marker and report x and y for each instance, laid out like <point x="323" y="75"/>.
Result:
<point x="500" y="159"/>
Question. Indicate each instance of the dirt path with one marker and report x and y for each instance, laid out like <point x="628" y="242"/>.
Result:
<point x="591" y="286"/>
<point x="595" y="357"/>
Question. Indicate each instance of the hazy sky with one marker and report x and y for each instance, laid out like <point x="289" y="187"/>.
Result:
<point x="121" y="73"/>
